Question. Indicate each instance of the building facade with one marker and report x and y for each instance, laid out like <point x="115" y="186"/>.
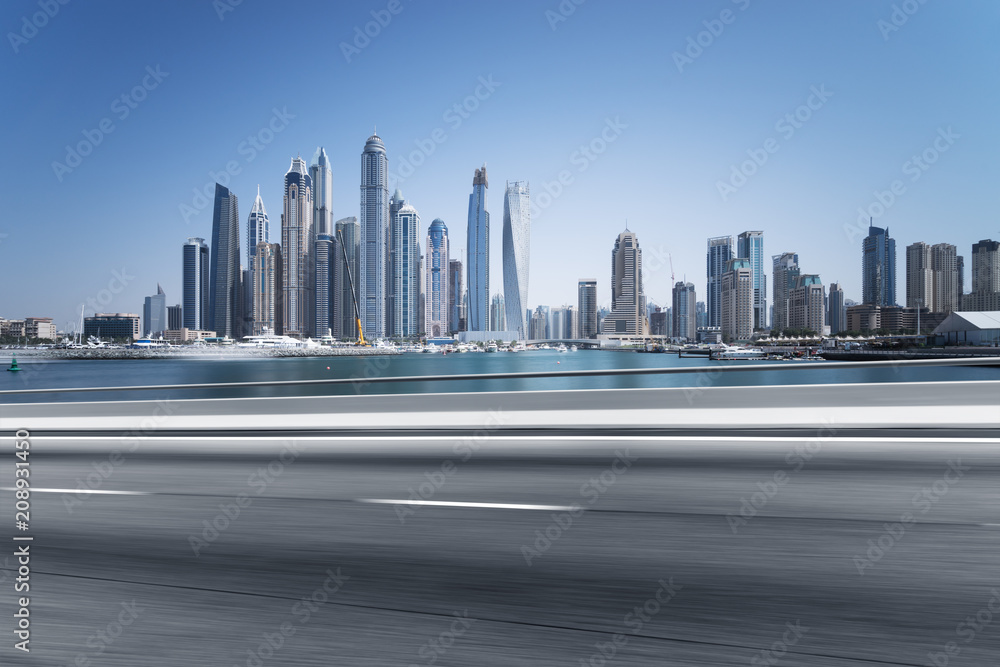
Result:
<point x="436" y="280"/>
<point x="112" y="325"/>
<point x="224" y="296"/>
<point x="836" y="315"/>
<point x="806" y="307"/>
<point x="628" y="302"/>
<point x="720" y="251"/>
<point x="586" y="306"/>
<point x="347" y="251"/>
<point x="456" y="305"/>
<point x="986" y="266"/>
<point x="477" y="255"/>
<point x="267" y="289"/>
<point x="878" y="278"/>
<point x="195" y="276"/>
<point x="154" y="313"/>
<point x="737" y="296"/>
<point x="405" y="265"/>
<point x="684" y="311"/>
<point x="516" y="246"/>
<point x="297" y="260"/>
<point x="919" y="277"/>
<point x="498" y="315"/>
<point x="374" y="221"/>
<point x="785" y="270"/>
<point x="750" y="245"/>
<point x="258" y="227"/>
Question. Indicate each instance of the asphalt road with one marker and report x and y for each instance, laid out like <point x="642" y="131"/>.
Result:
<point x="635" y="551"/>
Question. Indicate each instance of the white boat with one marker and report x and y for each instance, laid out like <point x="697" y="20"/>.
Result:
<point x="735" y="353"/>
<point x="572" y="348"/>
<point x="492" y="347"/>
<point x="561" y="348"/>
<point x="269" y="339"/>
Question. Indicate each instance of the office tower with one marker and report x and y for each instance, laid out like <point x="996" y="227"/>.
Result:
<point x="195" y="278"/>
<point x="878" y="278"/>
<point x="785" y="271"/>
<point x="347" y="244"/>
<point x="751" y="246"/>
<point x="685" y="311"/>
<point x="436" y="280"/>
<point x="396" y="202"/>
<point x="374" y="237"/>
<point x="421" y="300"/>
<point x="322" y="185"/>
<point x="297" y="259"/>
<point x="986" y="267"/>
<point x="498" y="316"/>
<point x="175" y="317"/>
<point x="454" y="295"/>
<point x="323" y="293"/>
<point x="701" y="314"/>
<point x="516" y="234"/>
<point x="836" y="309"/>
<point x="658" y="322"/>
<point x="960" y="260"/>
<point x="224" y="286"/>
<point x="805" y="304"/>
<point x="720" y="251"/>
<point x="404" y="284"/>
<point x="571" y="323"/>
<point x="267" y="289"/>
<point x="586" y="305"/>
<point x="538" y="324"/>
<point x="478" y="254"/>
<point x="944" y="270"/>
<point x="919" y="276"/>
<point x="154" y="313"/>
<point x="737" y="299"/>
<point x="628" y="302"/>
<point x="258" y="227"/>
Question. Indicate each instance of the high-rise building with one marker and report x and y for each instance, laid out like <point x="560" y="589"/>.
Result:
<point x="347" y="254"/>
<point x="658" y="322"/>
<point x="175" y="317"/>
<point x="421" y="299"/>
<point x="945" y="284"/>
<point x="195" y="279"/>
<point x="784" y="272"/>
<point x="516" y="235"/>
<point x="498" y="316"/>
<point x="960" y="261"/>
<point x="986" y="267"/>
<point x="701" y="315"/>
<point x="836" y="315"/>
<point x="878" y="278"/>
<point x="751" y="246"/>
<point x="374" y="237"/>
<point x="396" y="202"/>
<point x="628" y="302"/>
<point x="404" y="285"/>
<point x="586" y="306"/>
<point x="539" y="324"/>
<point x="154" y="313"/>
<point x="258" y="227"/>
<point x="455" y="306"/>
<point x="571" y="322"/>
<point x="685" y="311"/>
<point x="737" y="296"/>
<point x="224" y="298"/>
<point x="805" y="303"/>
<point x="323" y="291"/>
<point x="720" y="251"/>
<point x="436" y="280"/>
<point x="297" y="259"/>
<point x="267" y="289"/>
<point x="478" y="253"/>
<point x="919" y="277"/>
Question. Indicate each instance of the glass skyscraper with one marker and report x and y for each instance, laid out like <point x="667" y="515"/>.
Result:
<point x="405" y="280"/>
<point x="750" y="245"/>
<point x="194" y="300"/>
<point x="456" y="307"/>
<point x="347" y="259"/>
<point x="297" y="261"/>
<point x="154" y="313"/>
<point x="322" y="220"/>
<point x="878" y="278"/>
<point x="720" y="251"/>
<point x="436" y="280"/>
<point x="374" y="222"/>
<point x="684" y="311"/>
<point x="785" y="270"/>
<point x="257" y="227"/>
<point x="586" y="305"/>
<point x="516" y="237"/>
<point x="224" y="284"/>
<point x="478" y="254"/>
<point x="628" y="302"/>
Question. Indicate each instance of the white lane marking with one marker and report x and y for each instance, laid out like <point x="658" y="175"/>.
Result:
<point x="87" y="491"/>
<point x="445" y="503"/>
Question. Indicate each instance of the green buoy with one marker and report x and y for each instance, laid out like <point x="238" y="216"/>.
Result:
<point x="13" y="365"/>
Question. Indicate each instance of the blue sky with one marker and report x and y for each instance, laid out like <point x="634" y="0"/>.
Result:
<point x="663" y="132"/>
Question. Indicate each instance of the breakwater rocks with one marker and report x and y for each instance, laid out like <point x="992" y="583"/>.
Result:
<point x="196" y="353"/>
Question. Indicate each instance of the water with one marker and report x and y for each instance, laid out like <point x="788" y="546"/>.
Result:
<point x="41" y="373"/>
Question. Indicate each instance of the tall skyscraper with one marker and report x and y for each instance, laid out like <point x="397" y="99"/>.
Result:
<point x="878" y="278"/>
<point x="586" y="306"/>
<point x="720" y="251"/>
<point x="836" y="315"/>
<point x="945" y="284"/>
<point x="516" y="236"/>
<point x="986" y="267"/>
<point x="498" y="315"/>
<point x="347" y="243"/>
<point x="737" y="300"/>
<point x="751" y="246"/>
<point x="806" y="304"/>
<point x="919" y="276"/>
<point x="154" y="313"/>
<point x="267" y="289"/>
<point x="297" y="260"/>
<point x="374" y="237"/>
<point x="322" y="254"/>
<point x="404" y="285"/>
<point x="195" y="278"/>
<point x="455" y="306"/>
<point x="436" y="280"/>
<point x="258" y="227"/>
<point x="685" y="311"/>
<point x="175" y="317"/>
<point x="478" y="253"/>
<point x="224" y="286"/>
<point x="322" y="184"/>
<point x="785" y="271"/>
<point x="628" y="302"/>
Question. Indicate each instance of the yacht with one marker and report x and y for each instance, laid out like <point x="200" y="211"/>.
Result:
<point x="269" y="339"/>
<point x="561" y="348"/>
<point x="733" y="353"/>
<point x="492" y="347"/>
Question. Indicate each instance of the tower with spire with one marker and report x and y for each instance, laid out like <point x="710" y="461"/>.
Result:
<point x="374" y="222"/>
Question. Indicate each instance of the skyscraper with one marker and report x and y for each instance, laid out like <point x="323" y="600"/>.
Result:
<point x="498" y="316"/>
<point x="455" y="306"/>
<point x="154" y="313"/>
<point x="737" y="300"/>
<point x="436" y="281"/>
<point x="195" y="297"/>
<point x="224" y="286"/>
<point x="374" y="237"/>
<point x="806" y="304"/>
<point x="919" y="277"/>
<point x="322" y="255"/>
<point x="878" y="278"/>
<point x="258" y="227"/>
<point x="751" y="246"/>
<point x="516" y="235"/>
<point x="267" y="289"/>
<point x="347" y="244"/>
<point x="628" y="302"/>
<point x="836" y="315"/>
<point x="684" y="311"/>
<point x="405" y="280"/>
<point x="586" y="306"/>
<point x="175" y="317"/>
<point x="297" y="260"/>
<point x="720" y="251"/>
<point x="944" y="270"/>
<point x="986" y="267"/>
<point x="478" y="253"/>
<point x="785" y="271"/>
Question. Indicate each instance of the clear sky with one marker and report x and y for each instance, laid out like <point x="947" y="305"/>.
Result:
<point x="666" y="120"/>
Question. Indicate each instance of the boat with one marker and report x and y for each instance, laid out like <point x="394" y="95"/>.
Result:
<point x="268" y="339"/>
<point x="736" y="353"/>
<point x="572" y="348"/>
<point x="561" y="348"/>
<point x="492" y="347"/>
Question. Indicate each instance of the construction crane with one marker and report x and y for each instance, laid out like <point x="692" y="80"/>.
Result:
<point x="671" y="259"/>
<point x="354" y="295"/>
